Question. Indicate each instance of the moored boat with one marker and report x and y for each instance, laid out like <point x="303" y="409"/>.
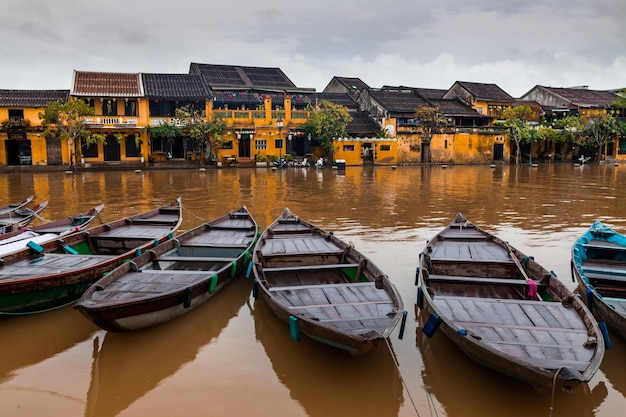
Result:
<point x="48" y="230"/>
<point x="323" y="287"/>
<point x="14" y="220"/>
<point x="505" y="310"/>
<point x="56" y="273"/>
<point x="173" y="278"/>
<point x="14" y="206"/>
<point x="599" y="267"/>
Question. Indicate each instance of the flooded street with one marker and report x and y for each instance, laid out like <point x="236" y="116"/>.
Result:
<point x="233" y="357"/>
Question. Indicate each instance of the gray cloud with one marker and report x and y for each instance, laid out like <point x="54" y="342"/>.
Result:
<point x="421" y="43"/>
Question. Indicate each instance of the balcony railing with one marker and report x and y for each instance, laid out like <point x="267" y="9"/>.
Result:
<point x="173" y="121"/>
<point x="111" y="121"/>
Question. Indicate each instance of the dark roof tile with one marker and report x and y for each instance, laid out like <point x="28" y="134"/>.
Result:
<point x="486" y="92"/>
<point x="175" y="86"/>
<point x="238" y="76"/>
<point x="31" y="98"/>
<point x="106" y="84"/>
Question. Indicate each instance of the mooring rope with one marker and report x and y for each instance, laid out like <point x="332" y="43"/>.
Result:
<point x="2" y="313"/>
<point x="556" y="375"/>
<point x="397" y="364"/>
<point x="197" y="217"/>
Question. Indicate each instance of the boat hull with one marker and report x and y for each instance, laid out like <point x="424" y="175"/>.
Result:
<point x="478" y="291"/>
<point x="173" y="278"/>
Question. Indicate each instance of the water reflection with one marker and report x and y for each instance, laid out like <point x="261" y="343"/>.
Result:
<point x="388" y="214"/>
<point x="324" y="382"/>
<point x="458" y="385"/>
<point x="28" y="340"/>
<point x="126" y="366"/>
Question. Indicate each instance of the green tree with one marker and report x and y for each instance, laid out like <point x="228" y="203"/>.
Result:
<point x="205" y="136"/>
<point x="66" y="121"/>
<point x="328" y="122"/>
<point x="430" y="121"/>
<point x="517" y="119"/>
<point x="567" y="131"/>
<point x="599" y="129"/>
<point x="165" y="131"/>
<point x="620" y="101"/>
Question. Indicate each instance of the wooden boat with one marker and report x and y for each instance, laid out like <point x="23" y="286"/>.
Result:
<point x="323" y="287"/>
<point x="174" y="277"/>
<point x="599" y="267"/>
<point x="14" y="220"/>
<point x="56" y="273"/>
<point x="506" y="311"/>
<point x="14" y="206"/>
<point x="49" y="230"/>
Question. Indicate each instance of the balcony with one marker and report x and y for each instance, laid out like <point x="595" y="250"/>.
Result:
<point x="172" y="121"/>
<point x="110" y="121"/>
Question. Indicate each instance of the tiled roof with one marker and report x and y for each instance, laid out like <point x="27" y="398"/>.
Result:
<point x="583" y="97"/>
<point x="175" y="86"/>
<point x="361" y="125"/>
<point x="486" y="92"/>
<point x="237" y="97"/>
<point x="431" y="93"/>
<point x="106" y="84"/>
<point x="453" y="107"/>
<point x="399" y="101"/>
<point x="337" y="98"/>
<point x="31" y="98"/>
<point x="352" y="83"/>
<point x="238" y="76"/>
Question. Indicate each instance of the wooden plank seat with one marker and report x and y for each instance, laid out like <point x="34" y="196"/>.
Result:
<point x="156" y="222"/>
<point x="194" y="259"/>
<point x="604" y="270"/>
<point x="321" y="286"/>
<point x="605" y="246"/>
<point x="479" y="280"/>
<point x="605" y="278"/>
<point x="176" y="271"/>
<point x="309" y="268"/>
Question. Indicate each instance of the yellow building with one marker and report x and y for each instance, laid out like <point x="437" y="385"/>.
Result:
<point x="21" y="142"/>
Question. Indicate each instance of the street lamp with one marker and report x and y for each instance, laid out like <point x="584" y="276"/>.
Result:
<point x="279" y="125"/>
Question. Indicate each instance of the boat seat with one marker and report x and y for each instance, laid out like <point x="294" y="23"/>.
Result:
<point x="478" y="280"/>
<point x="603" y="270"/>
<point x="309" y="268"/>
<point x="607" y="246"/>
<point x="175" y="258"/>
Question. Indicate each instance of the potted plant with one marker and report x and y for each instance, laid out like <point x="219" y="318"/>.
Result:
<point x="260" y="160"/>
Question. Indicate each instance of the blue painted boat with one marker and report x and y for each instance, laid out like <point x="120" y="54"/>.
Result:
<point x="599" y="267"/>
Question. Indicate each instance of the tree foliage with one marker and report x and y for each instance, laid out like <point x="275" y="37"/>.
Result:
<point x="620" y="101"/>
<point x="600" y="128"/>
<point x="205" y="136"/>
<point x="328" y="121"/>
<point x="517" y="119"/>
<point x="66" y="121"/>
<point x="431" y="121"/>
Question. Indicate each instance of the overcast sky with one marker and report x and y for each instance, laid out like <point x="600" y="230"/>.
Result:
<point x="417" y="43"/>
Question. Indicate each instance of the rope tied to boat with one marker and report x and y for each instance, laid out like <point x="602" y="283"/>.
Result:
<point x="397" y="365"/>
<point x="556" y="375"/>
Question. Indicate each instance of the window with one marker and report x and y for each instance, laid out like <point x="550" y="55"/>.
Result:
<point x="109" y="108"/>
<point x="90" y="102"/>
<point x="130" y="108"/>
<point x="90" y="151"/>
<point x="16" y="114"/>
<point x="131" y="146"/>
<point x="348" y="148"/>
<point x="385" y="147"/>
<point x="260" y="144"/>
<point x="228" y="145"/>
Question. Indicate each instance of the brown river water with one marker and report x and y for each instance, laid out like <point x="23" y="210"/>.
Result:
<point x="232" y="357"/>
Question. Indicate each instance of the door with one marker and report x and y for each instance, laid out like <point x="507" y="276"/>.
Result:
<point x="498" y="152"/>
<point x="111" y="149"/>
<point x="244" y="145"/>
<point x="53" y="152"/>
